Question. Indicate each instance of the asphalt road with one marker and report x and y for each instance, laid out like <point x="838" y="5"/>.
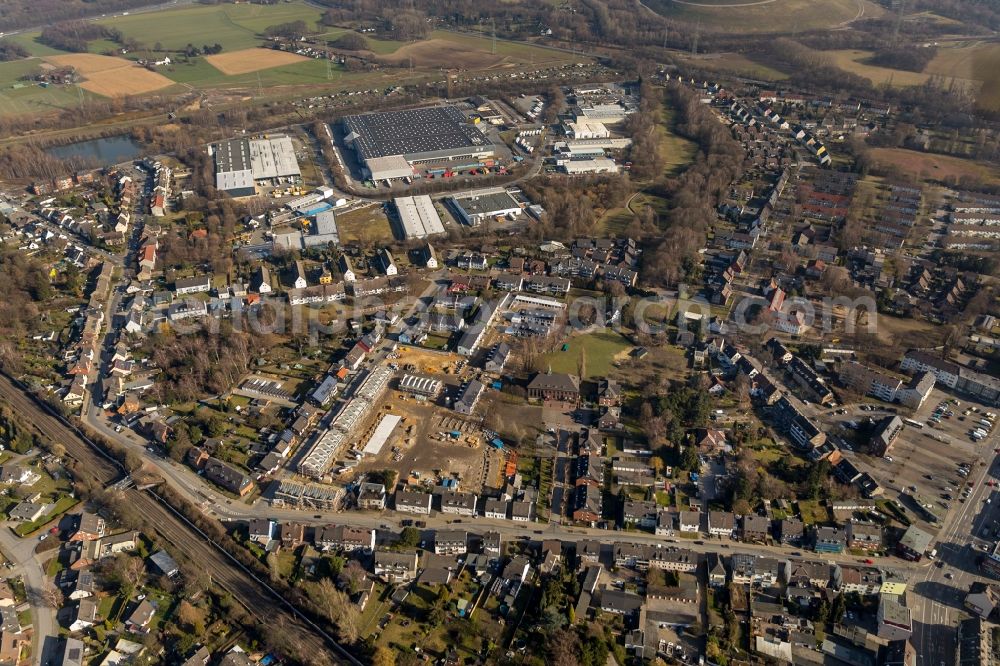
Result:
<point x="45" y="630"/>
<point x="936" y="600"/>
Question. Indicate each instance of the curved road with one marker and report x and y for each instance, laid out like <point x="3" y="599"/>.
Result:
<point x="45" y="630"/>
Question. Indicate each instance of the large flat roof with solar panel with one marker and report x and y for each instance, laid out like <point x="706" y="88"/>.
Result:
<point x="240" y="163"/>
<point x="435" y="133"/>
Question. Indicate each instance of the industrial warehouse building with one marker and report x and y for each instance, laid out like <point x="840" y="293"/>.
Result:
<point x="476" y="208"/>
<point x="389" y="144"/>
<point x="417" y="217"/>
<point x="593" y="165"/>
<point x="241" y="163"/>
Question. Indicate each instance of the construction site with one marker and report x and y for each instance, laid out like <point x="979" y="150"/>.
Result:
<point x="416" y="434"/>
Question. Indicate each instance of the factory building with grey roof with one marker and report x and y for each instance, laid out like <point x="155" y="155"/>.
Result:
<point x="241" y="163"/>
<point x="388" y="144"/>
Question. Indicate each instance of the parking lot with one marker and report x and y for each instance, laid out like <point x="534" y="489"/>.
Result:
<point x="925" y="460"/>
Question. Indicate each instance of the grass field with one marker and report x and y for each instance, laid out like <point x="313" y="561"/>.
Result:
<point x="736" y="63"/>
<point x="233" y="26"/>
<point x="975" y="61"/>
<point x="599" y="350"/>
<point x="971" y="64"/>
<point x="366" y="225"/>
<point x="851" y="60"/>
<point x="935" y="167"/>
<point x="765" y="16"/>
<point x="27" y="98"/>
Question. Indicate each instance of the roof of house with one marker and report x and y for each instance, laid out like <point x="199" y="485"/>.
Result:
<point x="555" y="381"/>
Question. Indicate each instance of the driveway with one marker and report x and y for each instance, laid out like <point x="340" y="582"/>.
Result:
<point x="21" y="552"/>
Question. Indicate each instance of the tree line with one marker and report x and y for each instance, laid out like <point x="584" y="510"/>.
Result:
<point x="75" y="36"/>
<point x="16" y="14"/>
<point x="695" y="194"/>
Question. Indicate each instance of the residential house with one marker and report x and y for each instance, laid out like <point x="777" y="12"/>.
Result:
<point x="790" y="531"/>
<point x="721" y="524"/>
<point x="756" y="529"/>
<point x="462" y="504"/>
<point x="372" y="496"/>
<point x="492" y="544"/>
<point x="588" y="503"/>
<point x="829" y="540"/>
<point x="450" y="542"/>
<point x="864" y="536"/>
<point x="395" y="567"/>
<point x="983" y="599"/>
<point x="345" y="538"/>
<point x="496" y="508"/>
<point x="228" y="477"/>
<point x="139" y="619"/>
<point x="522" y="511"/>
<point x="261" y="281"/>
<point x="409" y="501"/>
<point x="84" y="616"/>
<point x="85" y="585"/>
<point x="262" y="530"/>
<point x="894" y="619"/>
<point x="689" y="521"/>
<point x="89" y="526"/>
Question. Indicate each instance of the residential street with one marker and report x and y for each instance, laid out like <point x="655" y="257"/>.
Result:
<point x="21" y="553"/>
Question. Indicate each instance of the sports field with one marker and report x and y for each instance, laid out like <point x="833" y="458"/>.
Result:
<point x="252" y="60"/>
<point x="757" y="16"/>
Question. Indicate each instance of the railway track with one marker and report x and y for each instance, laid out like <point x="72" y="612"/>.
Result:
<point x="259" y="598"/>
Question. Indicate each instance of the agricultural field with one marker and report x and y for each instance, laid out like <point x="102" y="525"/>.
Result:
<point x="252" y="60"/>
<point x="111" y="77"/>
<point x="21" y="97"/>
<point x="766" y="15"/>
<point x="852" y="60"/>
<point x="243" y="66"/>
<point x="928" y="166"/>
<point x="969" y="64"/>
<point x="971" y="60"/>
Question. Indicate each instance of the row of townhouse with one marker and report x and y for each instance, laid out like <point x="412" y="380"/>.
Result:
<point x="464" y="504"/>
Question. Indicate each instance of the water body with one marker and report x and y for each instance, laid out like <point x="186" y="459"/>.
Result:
<point x="103" y="152"/>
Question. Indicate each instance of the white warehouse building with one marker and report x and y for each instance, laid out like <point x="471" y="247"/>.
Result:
<point x="417" y="217"/>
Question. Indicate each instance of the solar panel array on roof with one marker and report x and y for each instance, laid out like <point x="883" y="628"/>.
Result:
<point x="426" y="133"/>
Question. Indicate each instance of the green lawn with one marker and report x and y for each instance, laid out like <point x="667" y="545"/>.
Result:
<point x="812" y="513"/>
<point x="599" y="351"/>
<point x="233" y="26"/>
<point x="677" y="151"/>
<point x="614" y="221"/>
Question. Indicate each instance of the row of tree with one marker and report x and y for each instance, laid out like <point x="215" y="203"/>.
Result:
<point x="694" y="195"/>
